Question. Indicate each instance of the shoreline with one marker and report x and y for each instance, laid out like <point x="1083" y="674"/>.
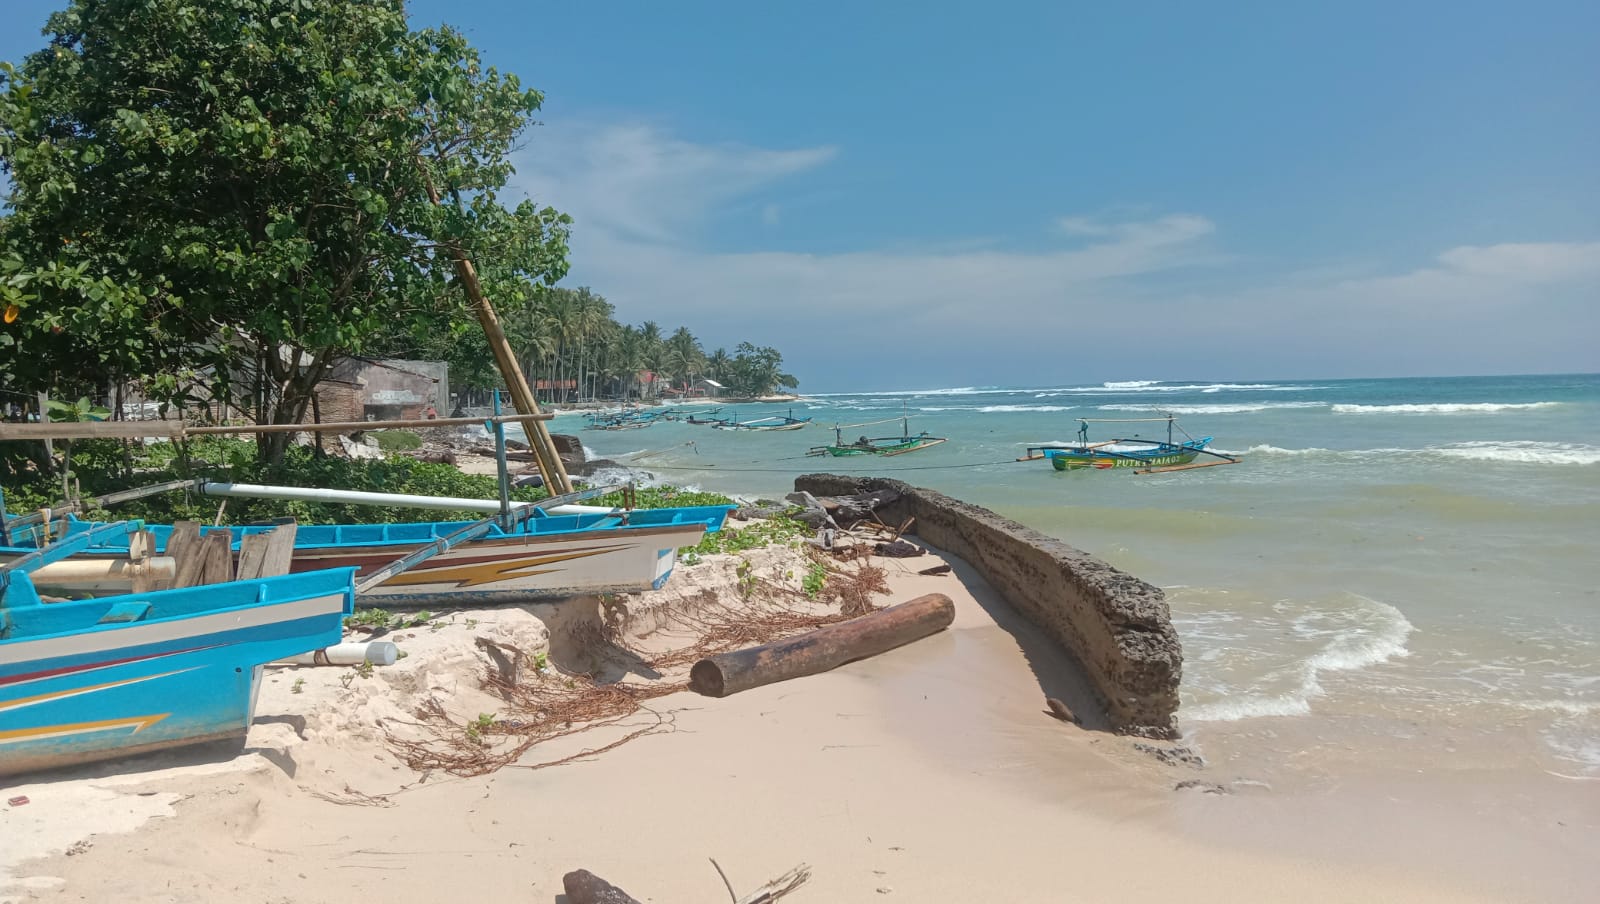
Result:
<point x="849" y="755"/>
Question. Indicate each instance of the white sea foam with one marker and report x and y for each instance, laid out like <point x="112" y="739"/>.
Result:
<point x="1513" y="451"/>
<point x="1267" y="449"/>
<point x="1130" y="384"/>
<point x="1117" y="388"/>
<point x="993" y="409"/>
<point x="1522" y="451"/>
<point x="990" y="409"/>
<point x="1355" y="637"/>
<point x="1241" y="408"/>
<point x="1444" y="408"/>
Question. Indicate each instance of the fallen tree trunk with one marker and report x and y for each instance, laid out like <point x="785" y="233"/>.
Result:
<point x="823" y="649"/>
<point x="584" y="887"/>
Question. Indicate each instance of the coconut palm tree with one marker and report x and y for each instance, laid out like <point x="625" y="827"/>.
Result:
<point x="683" y="357"/>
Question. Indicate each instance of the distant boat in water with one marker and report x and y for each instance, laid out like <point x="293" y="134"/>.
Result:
<point x="1144" y="456"/>
<point x="777" y="422"/>
<point x="881" y="445"/>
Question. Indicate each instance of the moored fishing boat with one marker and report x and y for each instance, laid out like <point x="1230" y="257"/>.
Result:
<point x="1144" y="456"/>
<point x="884" y="445"/>
<point x="114" y="676"/>
<point x="777" y="422"/>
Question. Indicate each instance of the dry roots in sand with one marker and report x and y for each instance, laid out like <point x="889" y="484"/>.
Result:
<point x="546" y="705"/>
<point x="541" y="709"/>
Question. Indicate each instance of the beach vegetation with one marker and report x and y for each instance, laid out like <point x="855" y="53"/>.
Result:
<point x="478" y="727"/>
<point x="815" y="580"/>
<point x="217" y="225"/>
<point x="396" y="440"/>
<point x="779" y="530"/>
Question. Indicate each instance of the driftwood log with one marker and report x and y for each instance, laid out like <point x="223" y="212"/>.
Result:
<point x="584" y="887"/>
<point x="822" y="649"/>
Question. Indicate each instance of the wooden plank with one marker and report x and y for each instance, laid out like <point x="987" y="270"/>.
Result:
<point x="252" y="555"/>
<point x="357" y="426"/>
<point x="90" y="430"/>
<point x="216" y="555"/>
<point x="183" y="545"/>
<point x="266" y="554"/>
<point x="280" y="550"/>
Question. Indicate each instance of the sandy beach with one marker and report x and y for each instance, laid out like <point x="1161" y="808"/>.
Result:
<point x="929" y="773"/>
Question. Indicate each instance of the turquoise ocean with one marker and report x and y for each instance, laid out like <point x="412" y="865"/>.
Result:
<point x="1399" y="558"/>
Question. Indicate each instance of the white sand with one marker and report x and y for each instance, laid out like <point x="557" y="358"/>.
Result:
<point x="926" y="774"/>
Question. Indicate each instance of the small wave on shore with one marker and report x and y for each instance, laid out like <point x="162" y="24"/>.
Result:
<point x="1270" y="660"/>
<point x="1444" y="408"/>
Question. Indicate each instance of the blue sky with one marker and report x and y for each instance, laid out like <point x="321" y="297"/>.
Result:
<point x="918" y="194"/>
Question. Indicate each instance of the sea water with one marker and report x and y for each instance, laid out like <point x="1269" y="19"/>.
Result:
<point x="1413" y="552"/>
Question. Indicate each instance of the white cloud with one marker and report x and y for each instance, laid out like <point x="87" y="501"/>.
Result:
<point x="961" y="311"/>
<point x="637" y="182"/>
<point x="1526" y="262"/>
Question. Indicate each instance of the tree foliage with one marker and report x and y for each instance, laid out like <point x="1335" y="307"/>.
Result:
<point x="241" y="190"/>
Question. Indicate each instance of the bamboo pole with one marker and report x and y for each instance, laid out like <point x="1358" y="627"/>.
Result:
<point x="1188" y="467"/>
<point x="179" y="430"/>
<point x="550" y="466"/>
<point x="354" y="426"/>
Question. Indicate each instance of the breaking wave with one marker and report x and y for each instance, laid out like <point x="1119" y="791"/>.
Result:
<point x="1524" y="451"/>
<point x="1444" y="408"/>
<point x="993" y="409"/>
<point x="1516" y="451"/>
<point x="1353" y="638"/>
<point x="1241" y="408"/>
<point x="1142" y="386"/>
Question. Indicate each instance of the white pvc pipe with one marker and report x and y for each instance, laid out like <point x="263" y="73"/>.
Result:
<point x="355" y="497"/>
<point x="377" y="652"/>
<point x="398" y="500"/>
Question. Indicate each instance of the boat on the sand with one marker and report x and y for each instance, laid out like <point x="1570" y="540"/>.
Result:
<point x="541" y="556"/>
<point x="113" y="676"/>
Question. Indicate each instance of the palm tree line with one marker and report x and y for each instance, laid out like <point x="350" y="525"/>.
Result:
<point x="571" y="347"/>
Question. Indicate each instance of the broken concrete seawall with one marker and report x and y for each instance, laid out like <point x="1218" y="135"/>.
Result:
<point x="1116" y="626"/>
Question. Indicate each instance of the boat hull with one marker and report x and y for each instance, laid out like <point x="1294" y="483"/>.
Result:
<point x="547" y="558"/>
<point x="181" y="670"/>
<point x="880" y="448"/>
<point x="514" y="569"/>
<point x="1163" y="457"/>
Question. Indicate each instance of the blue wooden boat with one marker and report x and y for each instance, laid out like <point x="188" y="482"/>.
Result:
<point x="114" y="676"/>
<point x="777" y="422"/>
<point x="540" y="556"/>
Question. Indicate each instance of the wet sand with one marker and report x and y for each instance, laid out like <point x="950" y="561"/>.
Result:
<point x="930" y="773"/>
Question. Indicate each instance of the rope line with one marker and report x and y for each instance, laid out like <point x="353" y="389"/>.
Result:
<point x="971" y="464"/>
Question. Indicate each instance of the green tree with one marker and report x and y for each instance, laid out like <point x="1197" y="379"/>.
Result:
<point x="683" y="357"/>
<point x="758" y="371"/>
<point x="252" y="187"/>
